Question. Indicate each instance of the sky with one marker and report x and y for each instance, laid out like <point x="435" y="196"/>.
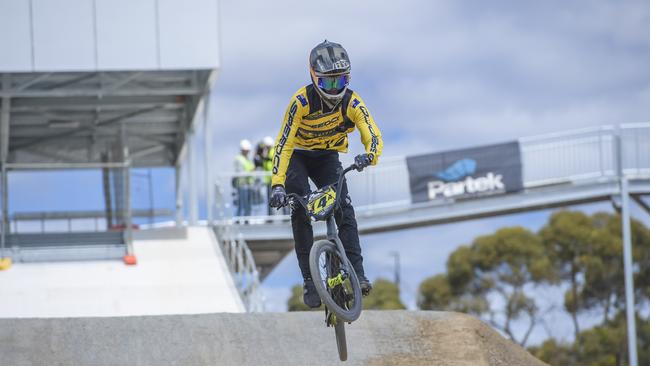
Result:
<point x="436" y="75"/>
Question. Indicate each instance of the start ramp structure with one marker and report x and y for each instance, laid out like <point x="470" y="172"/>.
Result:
<point x="112" y="85"/>
<point x="179" y="271"/>
<point x="106" y="85"/>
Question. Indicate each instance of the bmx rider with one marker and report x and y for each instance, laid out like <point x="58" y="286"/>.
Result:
<point x="315" y="129"/>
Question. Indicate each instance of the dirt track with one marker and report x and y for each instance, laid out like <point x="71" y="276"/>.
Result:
<point x="376" y="339"/>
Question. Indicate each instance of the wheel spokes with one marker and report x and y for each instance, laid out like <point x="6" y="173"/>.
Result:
<point x="336" y="281"/>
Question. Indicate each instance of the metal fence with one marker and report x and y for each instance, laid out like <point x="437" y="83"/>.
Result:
<point x="569" y="157"/>
<point x="242" y="266"/>
<point x="374" y="188"/>
<point x="583" y="156"/>
<point x="73" y="221"/>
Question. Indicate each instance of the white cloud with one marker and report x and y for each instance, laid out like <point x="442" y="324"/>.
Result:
<point x="441" y="75"/>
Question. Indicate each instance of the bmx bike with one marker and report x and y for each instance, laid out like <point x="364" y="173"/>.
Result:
<point x="333" y="275"/>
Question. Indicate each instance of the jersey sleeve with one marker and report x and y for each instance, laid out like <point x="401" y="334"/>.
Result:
<point x="370" y="134"/>
<point x="286" y="139"/>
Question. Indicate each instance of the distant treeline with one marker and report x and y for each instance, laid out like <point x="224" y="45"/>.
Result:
<point x="497" y="278"/>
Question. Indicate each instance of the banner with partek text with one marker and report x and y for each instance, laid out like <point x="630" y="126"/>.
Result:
<point x="466" y="173"/>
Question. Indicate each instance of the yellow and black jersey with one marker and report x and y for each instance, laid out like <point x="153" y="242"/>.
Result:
<point x="310" y="125"/>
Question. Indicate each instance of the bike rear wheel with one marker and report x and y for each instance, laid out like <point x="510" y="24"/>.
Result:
<point x="335" y="281"/>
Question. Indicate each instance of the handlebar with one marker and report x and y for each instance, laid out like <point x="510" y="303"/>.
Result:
<point x="339" y="185"/>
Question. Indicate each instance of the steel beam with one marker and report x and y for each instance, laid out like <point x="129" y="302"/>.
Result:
<point x="207" y="135"/>
<point x="33" y="81"/>
<point x="77" y="215"/>
<point x="67" y="93"/>
<point x="4" y="225"/>
<point x="41" y="118"/>
<point x="106" y="186"/>
<point x="179" y="194"/>
<point x="85" y="128"/>
<point x="5" y="117"/>
<point x="75" y="80"/>
<point x="106" y="103"/>
<point x="639" y="199"/>
<point x="45" y="155"/>
<point x="64" y="166"/>
<point x="192" y="182"/>
<point x="147" y="151"/>
<point x="122" y="82"/>
<point x="126" y="176"/>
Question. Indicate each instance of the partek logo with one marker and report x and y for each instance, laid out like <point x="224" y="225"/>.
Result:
<point x="456" y="181"/>
<point x="488" y="183"/>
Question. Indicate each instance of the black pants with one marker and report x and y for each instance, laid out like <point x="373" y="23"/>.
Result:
<point x="323" y="168"/>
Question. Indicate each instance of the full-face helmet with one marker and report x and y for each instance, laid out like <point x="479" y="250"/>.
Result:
<point x="329" y="66"/>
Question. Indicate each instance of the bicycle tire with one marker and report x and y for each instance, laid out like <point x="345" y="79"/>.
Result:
<point x="329" y="250"/>
<point x="339" y="330"/>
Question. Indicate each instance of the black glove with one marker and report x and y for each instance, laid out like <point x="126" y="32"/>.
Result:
<point x="278" y="197"/>
<point x="362" y="161"/>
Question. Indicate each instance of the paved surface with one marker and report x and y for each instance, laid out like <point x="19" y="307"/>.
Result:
<point x="376" y="339"/>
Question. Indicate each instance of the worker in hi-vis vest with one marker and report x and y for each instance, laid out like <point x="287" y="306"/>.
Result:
<point x="264" y="162"/>
<point x="243" y="181"/>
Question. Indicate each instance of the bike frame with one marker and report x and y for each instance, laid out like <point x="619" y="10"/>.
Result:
<point x="332" y="229"/>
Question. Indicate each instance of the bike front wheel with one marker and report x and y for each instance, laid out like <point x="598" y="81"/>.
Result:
<point x="335" y="281"/>
<point x="341" y="344"/>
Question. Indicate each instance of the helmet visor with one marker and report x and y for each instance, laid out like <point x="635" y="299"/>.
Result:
<point x="333" y="84"/>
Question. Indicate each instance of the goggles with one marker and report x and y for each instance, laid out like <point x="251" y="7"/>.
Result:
<point x="333" y="84"/>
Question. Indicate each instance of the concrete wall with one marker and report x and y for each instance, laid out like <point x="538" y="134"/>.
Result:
<point x="92" y="35"/>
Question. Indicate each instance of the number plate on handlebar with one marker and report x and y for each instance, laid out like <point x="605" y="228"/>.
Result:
<point x="321" y="203"/>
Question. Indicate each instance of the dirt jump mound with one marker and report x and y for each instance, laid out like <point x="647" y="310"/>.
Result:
<point x="378" y="338"/>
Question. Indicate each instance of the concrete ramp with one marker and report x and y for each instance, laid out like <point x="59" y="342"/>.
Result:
<point x="377" y="338"/>
<point x="179" y="271"/>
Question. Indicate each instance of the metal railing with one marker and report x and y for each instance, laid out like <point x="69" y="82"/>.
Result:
<point x="386" y="185"/>
<point x="71" y="221"/>
<point x="589" y="155"/>
<point x="242" y="266"/>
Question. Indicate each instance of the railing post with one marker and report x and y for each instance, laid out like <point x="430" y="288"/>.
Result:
<point x="629" y="278"/>
<point x="600" y="153"/>
<point x="618" y="152"/>
<point x="4" y="224"/>
<point x="627" y="253"/>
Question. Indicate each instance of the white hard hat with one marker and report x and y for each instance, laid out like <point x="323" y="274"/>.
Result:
<point x="268" y="141"/>
<point x="245" y="145"/>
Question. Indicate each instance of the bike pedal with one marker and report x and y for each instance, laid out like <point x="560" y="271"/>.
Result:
<point x="331" y="320"/>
